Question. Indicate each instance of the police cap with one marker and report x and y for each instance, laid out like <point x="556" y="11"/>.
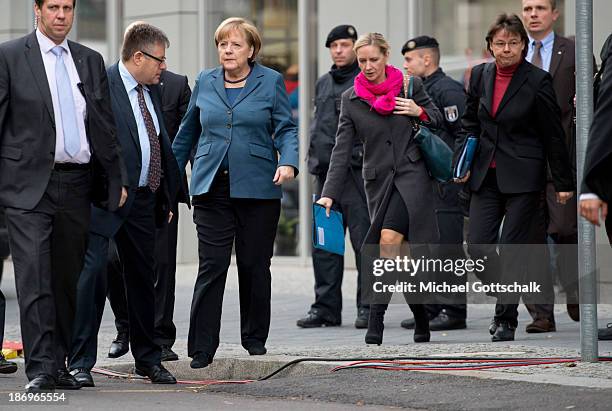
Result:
<point x="421" y="42"/>
<point x="344" y="31"/>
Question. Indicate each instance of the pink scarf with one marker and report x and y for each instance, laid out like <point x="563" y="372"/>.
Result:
<point x="381" y="96"/>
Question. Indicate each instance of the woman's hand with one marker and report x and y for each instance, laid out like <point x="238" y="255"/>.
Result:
<point x="327" y="203"/>
<point x="407" y="107"/>
<point x="462" y="180"/>
<point x="283" y="174"/>
<point x="564" y="196"/>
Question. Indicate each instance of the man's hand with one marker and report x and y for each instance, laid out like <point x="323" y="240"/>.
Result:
<point x="124" y="196"/>
<point x="564" y="196"/>
<point x="589" y="209"/>
<point x="327" y="203"/>
<point x="283" y="174"/>
<point x="170" y="215"/>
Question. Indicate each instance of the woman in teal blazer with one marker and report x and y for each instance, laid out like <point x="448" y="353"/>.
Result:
<point x="239" y="119"/>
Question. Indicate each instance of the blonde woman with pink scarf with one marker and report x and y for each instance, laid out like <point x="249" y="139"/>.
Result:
<point x="398" y="187"/>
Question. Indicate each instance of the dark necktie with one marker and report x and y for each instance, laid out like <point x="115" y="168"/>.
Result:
<point x="536" y="60"/>
<point x="154" y="176"/>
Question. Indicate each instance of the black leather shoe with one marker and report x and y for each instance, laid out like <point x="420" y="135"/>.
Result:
<point x="573" y="310"/>
<point x="362" y="318"/>
<point x="605" y="334"/>
<point x="157" y="374"/>
<point x="257" y="349"/>
<point x="41" y="383"/>
<point x="167" y="354"/>
<point x="444" y="322"/>
<point x="201" y="360"/>
<point x="503" y="332"/>
<point x="408" y="323"/>
<point x="66" y="381"/>
<point x="83" y="376"/>
<point x="313" y="320"/>
<point x="6" y="367"/>
<point x="120" y="346"/>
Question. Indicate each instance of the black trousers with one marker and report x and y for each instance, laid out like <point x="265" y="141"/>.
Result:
<point x="328" y="267"/>
<point x="48" y="245"/>
<point x="135" y="243"/>
<point x="489" y="206"/>
<point x="450" y="224"/>
<point x="116" y="290"/>
<point x="91" y="298"/>
<point x="221" y="222"/>
<point x="165" y="283"/>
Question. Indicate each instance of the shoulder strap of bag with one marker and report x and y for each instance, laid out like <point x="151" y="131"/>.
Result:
<point x="408" y="89"/>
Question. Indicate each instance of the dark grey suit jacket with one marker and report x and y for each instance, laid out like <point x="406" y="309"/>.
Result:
<point x="175" y="96"/>
<point x="27" y="124"/>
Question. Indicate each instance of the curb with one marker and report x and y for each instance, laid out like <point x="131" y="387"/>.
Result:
<point x="237" y="368"/>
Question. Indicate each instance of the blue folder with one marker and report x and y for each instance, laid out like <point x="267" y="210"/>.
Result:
<point x="466" y="158"/>
<point x="327" y="232"/>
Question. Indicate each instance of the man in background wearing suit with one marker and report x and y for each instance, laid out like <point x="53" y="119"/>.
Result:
<point x="153" y="183"/>
<point x="175" y="95"/>
<point x="57" y="134"/>
<point x="555" y="54"/>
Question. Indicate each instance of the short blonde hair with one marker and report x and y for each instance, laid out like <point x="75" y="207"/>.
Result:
<point x="250" y="32"/>
<point x="372" y="39"/>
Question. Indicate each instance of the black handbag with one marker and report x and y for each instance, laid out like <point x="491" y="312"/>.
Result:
<point x="437" y="154"/>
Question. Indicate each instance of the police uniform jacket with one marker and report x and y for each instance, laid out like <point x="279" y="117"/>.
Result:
<point x="325" y="124"/>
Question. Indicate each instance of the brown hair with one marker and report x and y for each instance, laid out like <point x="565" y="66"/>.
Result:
<point x="510" y="23"/>
<point x="140" y="37"/>
<point x="250" y="32"/>
<point x="40" y="3"/>
<point x="372" y="39"/>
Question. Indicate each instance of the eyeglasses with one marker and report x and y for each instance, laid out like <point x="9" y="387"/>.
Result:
<point x="161" y="60"/>
<point x="502" y="44"/>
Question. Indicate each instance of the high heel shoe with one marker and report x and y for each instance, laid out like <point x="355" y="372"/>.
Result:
<point x="375" y="325"/>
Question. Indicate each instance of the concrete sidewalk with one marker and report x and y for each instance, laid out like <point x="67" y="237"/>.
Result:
<point x="292" y="295"/>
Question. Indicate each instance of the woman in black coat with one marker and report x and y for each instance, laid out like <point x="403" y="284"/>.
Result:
<point x="512" y="109"/>
<point x="398" y="187"/>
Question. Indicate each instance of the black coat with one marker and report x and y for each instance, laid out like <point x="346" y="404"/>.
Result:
<point x="525" y="132"/>
<point x="598" y="162"/>
<point x="27" y="124"/>
<point x="391" y="158"/>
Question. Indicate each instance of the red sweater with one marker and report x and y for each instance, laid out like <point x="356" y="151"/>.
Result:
<point x="502" y="81"/>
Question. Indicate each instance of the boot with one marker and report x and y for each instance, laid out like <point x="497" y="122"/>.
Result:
<point x="376" y="324"/>
<point x="421" y="327"/>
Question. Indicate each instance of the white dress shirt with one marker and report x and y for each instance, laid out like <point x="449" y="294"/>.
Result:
<point x="130" y="84"/>
<point x="49" y="59"/>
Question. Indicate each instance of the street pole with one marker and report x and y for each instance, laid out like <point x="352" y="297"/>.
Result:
<point x="306" y="29"/>
<point x="586" y="232"/>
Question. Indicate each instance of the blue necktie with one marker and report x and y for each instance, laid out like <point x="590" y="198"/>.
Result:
<point x="72" y="142"/>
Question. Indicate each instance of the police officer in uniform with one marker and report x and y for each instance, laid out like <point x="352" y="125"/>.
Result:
<point x="422" y="59"/>
<point x="328" y="267"/>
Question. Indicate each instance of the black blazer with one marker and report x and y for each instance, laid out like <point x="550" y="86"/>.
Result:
<point x="106" y="223"/>
<point x="27" y="124"/>
<point x="598" y="161"/>
<point x="524" y="134"/>
<point x="175" y="95"/>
